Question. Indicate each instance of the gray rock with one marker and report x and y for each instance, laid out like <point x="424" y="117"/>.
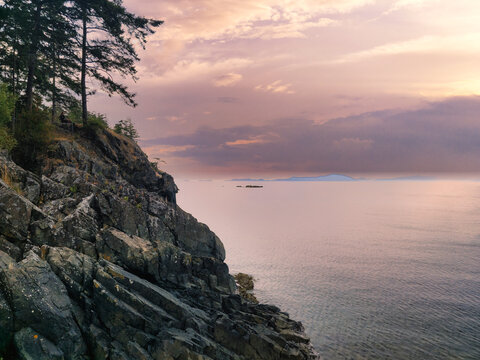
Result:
<point x="11" y="249"/>
<point x="6" y="323"/>
<point x="16" y="212"/>
<point x="196" y="237"/>
<point x="39" y="301"/>
<point x="132" y="252"/>
<point x="23" y="181"/>
<point x="52" y="190"/>
<point x="31" y="345"/>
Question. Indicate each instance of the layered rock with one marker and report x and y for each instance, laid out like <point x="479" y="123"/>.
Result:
<point x="98" y="262"/>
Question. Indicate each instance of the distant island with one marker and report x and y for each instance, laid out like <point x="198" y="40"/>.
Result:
<point x="410" y="178"/>
<point x="330" y="177"/>
<point x="339" y="177"/>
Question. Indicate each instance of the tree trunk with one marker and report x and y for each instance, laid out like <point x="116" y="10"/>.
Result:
<point x="54" y="85"/>
<point x="83" y="83"/>
<point x="32" y="56"/>
<point x="14" y="88"/>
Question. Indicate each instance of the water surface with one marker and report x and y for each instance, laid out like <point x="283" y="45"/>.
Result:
<point x="374" y="270"/>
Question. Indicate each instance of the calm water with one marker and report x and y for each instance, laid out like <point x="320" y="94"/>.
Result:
<point x="387" y="270"/>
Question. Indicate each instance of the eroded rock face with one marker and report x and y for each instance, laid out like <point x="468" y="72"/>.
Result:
<point x="98" y="262"/>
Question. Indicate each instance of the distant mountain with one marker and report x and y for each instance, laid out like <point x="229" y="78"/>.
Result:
<point x="410" y="178"/>
<point x="331" y="177"/>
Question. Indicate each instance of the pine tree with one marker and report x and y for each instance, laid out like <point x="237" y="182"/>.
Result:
<point x="107" y="34"/>
<point x="38" y="43"/>
<point x="125" y="127"/>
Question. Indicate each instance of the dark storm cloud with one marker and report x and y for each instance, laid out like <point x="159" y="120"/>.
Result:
<point x="443" y="137"/>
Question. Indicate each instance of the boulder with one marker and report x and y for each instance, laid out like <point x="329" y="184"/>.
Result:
<point x="16" y="212"/>
<point x="39" y="301"/>
<point x="31" y="345"/>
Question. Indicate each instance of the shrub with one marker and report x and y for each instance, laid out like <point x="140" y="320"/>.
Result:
<point x="33" y="134"/>
<point x="7" y="105"/>
<point x="94" y="120"/>
<point x="75" y="113"/>
<point x="7" y="141"/>
<point x="125" y="127"/>
<point x="97" y="121"/>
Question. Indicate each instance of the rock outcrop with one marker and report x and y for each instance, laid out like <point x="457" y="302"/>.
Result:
<point x="98" y="262"/>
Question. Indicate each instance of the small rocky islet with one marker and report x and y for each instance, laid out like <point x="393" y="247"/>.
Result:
<point x="97" y="261"/>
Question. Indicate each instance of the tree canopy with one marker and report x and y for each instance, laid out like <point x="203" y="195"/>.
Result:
<point x="50" y="48"/>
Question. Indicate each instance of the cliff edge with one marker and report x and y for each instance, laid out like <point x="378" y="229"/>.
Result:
<point x="98" y="262"/>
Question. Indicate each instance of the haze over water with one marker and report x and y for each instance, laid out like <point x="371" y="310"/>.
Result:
<point x="372" y="269"/>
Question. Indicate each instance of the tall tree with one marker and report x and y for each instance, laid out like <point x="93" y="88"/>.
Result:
<point x="37" y="36"/>
<point x="107" y="46"/>
<point x="12" y="43"/>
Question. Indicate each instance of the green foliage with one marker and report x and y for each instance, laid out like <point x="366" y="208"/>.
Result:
<point x="7" y="105"/>
<point x="7" y="141"/>
<point x="73" y="189"/>
<point x="51" y="50"/>
<point x="125" y="127"/>
<point x="33" y="133"/>
<point x="97" y="121"/>
<point x="74" y="113"/>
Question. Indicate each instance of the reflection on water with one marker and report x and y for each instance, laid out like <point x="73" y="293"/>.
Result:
<point x="372" y="269"/>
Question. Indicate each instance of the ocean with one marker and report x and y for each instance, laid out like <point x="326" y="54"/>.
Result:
<point x="373" y="269"/>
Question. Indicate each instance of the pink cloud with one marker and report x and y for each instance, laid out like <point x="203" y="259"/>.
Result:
<point x="229" y="79"/>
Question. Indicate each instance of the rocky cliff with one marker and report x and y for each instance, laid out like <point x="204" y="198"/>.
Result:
<point x="98" y="262"/>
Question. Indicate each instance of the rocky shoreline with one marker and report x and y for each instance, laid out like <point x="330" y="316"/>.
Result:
<point x="97" y="261"/>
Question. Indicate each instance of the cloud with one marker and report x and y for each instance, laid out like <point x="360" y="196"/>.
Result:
<point x="276" y="87"/>
<point x="227" y="99"/>
<point x="458" y="44"/>
<point x="174" y="118"/>
<point x="192" y="24"/>
<point x="261" y="139"/>
<point x="441" y="137"/>
<point x="410" y="5"/>
<point x="191" y="20"/>
<point x="229" y="79"/>
<point x="353" y="144"/>
<point x="195" y="69"/>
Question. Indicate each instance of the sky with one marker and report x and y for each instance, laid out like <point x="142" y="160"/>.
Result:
<point x="273" y="88"/>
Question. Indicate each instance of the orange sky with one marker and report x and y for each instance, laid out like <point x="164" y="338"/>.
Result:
<point x="296" y="87"/>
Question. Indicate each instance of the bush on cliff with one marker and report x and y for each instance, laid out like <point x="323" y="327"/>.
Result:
<point x="97" y="121"/>
<point x="33" y="133"/>
<point x="7" y="141"/>
<point x="7" y="105"/>
<point x="125" y="127"/>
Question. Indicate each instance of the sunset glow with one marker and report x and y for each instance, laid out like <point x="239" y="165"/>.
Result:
<point x="308" y="87"/>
